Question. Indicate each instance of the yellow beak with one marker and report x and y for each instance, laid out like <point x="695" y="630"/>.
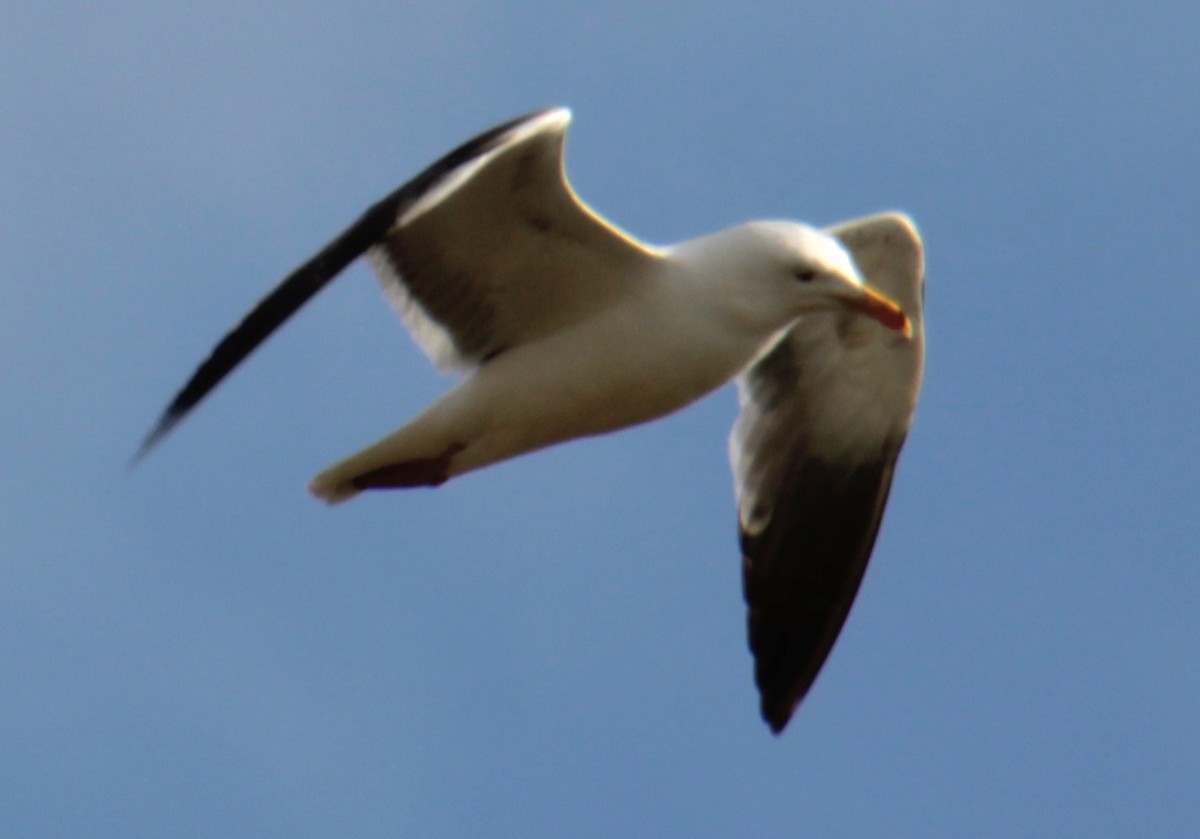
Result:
<point x="875" y="305"/>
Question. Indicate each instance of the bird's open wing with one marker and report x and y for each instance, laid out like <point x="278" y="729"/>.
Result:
<point x="502" y="251"/>
<point x="824" y="415"/>
<point x="484" y="250"/>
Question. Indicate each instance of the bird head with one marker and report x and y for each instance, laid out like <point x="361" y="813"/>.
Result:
<point x="809" y="270"/>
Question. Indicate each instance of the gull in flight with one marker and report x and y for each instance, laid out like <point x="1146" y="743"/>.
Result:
<point x="565" y="327"/>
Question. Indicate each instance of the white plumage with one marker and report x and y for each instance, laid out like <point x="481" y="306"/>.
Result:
<point x="567" y="327"/>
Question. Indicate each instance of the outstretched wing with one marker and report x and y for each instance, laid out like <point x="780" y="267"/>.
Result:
<point x="485" y="249"/>
<point x="824" y="415"/>
<point x="502" y="251"/>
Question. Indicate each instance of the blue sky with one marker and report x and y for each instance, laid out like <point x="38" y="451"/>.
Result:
<point x="556" y="646"/>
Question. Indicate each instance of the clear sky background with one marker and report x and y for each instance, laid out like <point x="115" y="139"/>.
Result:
<point x="556" y="646"/>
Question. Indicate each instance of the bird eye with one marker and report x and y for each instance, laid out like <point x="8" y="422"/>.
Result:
<point x="806" y="276"/>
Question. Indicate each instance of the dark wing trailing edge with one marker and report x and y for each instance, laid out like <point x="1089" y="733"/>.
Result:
<point x="302" y="284"/>
<point x="801" y="573"/>
<point x="809" y="512"/>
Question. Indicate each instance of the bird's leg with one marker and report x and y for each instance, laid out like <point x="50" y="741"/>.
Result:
<point x="418" y="472"/>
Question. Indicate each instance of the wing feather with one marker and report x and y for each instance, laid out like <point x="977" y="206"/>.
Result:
<point x="461" y="291"/>
<point x="824" y="415"/>
<point x="505" y="254"/>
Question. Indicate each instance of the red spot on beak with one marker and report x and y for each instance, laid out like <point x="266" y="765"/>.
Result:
<point x="879" y="308"/>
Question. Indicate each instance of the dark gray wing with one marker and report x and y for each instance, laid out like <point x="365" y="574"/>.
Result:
<point x="824" y="415"/>
<point x="440" y="298"/>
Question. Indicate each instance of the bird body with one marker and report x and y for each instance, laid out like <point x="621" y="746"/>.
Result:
<point x="567" y="327"/>
<point x="697" y="315"/>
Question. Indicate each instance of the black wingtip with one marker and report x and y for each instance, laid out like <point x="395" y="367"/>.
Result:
<point x="305" y="281"/>
<point x="161" y="429"/>
<point x="271" y="312"/>
<point x="777" y="716"/>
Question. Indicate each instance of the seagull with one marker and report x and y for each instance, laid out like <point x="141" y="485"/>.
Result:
<point x="566" y="327"/>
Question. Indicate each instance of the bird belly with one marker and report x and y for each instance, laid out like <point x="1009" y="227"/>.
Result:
<point x="611" y="373"/>
<point x="618" y="369"/>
